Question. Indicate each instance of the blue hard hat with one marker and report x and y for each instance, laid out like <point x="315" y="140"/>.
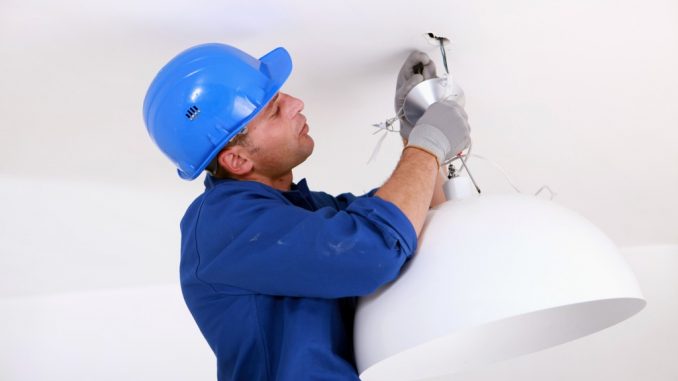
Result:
<point x="204" y="96"/>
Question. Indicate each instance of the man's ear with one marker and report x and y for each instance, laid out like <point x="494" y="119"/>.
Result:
<point x="233" y="160"/>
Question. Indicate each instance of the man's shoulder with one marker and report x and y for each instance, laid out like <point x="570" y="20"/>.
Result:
<point x="231" y="203"/>
<point x="229" y="196"/>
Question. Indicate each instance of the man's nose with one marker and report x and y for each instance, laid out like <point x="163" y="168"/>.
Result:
<point x="294" y="106"/>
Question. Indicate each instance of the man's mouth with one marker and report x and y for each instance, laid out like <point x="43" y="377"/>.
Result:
<point x="304" y="128"/>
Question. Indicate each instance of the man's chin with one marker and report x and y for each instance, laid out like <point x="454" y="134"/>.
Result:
<point x="307" y="152"/>
<point x="311" y="145"/>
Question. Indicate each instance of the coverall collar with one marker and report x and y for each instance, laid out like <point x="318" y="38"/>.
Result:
<point x="299" y="193"/>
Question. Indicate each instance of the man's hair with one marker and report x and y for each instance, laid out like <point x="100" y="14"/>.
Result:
<point x="214" y="168"/>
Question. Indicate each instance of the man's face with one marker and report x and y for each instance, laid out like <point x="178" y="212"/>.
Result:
<point x="278" y="136"/>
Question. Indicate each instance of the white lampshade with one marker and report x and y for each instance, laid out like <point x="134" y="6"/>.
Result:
<point x="494" y="277"/>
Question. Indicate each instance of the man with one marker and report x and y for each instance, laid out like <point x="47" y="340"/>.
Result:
<point x="269" y="269"/>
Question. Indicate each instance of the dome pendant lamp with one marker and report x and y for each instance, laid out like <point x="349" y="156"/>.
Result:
<point x="494" y="277"/>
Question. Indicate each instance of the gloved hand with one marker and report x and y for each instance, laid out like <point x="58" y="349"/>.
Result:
<point x="443" y="131"/>
<point x="417" y="68"/>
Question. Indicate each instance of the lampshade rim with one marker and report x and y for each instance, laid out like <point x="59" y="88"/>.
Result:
<point x="632" y="304"/>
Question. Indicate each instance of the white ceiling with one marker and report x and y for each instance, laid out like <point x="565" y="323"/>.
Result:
<point x="579" y="95"/>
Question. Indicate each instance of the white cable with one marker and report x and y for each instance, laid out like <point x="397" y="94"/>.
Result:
<point x="553" y="194"/>
<point x="385" y="126"/>
<point x="497" y="166"/>
<point x="508" y="178"/>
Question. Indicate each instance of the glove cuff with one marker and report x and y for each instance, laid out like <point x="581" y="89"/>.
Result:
<point x="430" y="139"/>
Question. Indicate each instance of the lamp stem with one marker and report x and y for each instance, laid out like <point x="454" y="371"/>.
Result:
<point x="458" y="187"/>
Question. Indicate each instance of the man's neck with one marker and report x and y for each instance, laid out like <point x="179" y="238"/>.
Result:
<point x="281" y="183"/>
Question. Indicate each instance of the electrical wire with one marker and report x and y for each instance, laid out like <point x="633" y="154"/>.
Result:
<point x="387" y="126"/>
<point x="463" y="157"/>
<point x="501" y="170"/>
<point x="442" y="52"/>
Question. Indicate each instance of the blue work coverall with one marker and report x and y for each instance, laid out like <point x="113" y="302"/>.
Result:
<point x="271" y="277"/>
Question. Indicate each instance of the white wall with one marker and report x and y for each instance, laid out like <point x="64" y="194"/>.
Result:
<point x="61" y="236"/>
<point x="142" y="333"/>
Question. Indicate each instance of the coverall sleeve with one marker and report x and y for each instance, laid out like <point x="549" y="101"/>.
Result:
<point x="260" y="243"/>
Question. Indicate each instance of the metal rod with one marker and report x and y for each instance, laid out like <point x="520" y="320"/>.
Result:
<point x="442" y="51"/>
<point x="463" y="163"/>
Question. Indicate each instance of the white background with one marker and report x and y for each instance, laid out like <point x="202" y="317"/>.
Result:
<point x="577" y="95"/>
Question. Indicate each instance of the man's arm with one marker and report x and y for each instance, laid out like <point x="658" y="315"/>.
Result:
<point x="438" y="135"/>
<point x="410" y="187"/>
<point x="438" y="194"/>
<point x="246" y="237"/>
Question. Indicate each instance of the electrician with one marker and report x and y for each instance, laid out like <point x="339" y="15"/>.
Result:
<point x="271" y="270"/>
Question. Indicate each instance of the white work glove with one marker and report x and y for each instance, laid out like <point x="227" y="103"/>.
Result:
<point x="443" y="131"/>
<point x="417" y="68"/>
